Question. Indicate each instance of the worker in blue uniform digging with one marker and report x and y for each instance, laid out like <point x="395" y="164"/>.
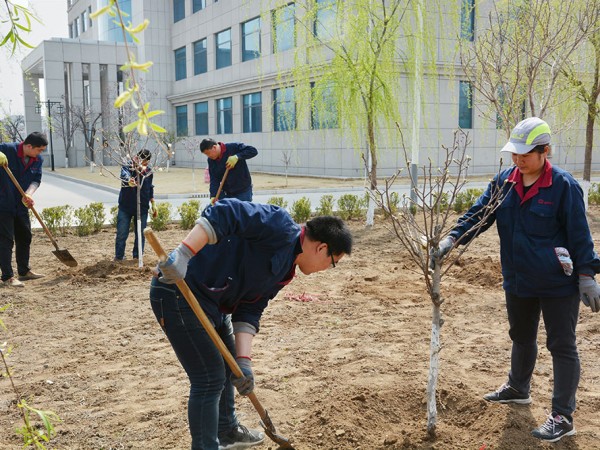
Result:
<point x="235" y="260"/>
<point x="548" y="265"/>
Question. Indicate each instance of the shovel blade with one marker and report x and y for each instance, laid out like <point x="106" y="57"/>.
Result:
<point x="65" y="257"/>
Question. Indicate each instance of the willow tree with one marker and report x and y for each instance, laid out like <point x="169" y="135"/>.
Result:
<point x="516" y="61"/>
<point x="350" y="58"/>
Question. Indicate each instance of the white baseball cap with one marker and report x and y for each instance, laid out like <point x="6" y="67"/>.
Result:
<point x="528" y="134"/>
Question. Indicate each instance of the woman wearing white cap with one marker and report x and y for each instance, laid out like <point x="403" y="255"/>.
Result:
<point x="548" y="265"/>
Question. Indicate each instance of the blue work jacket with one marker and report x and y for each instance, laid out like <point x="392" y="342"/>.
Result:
<point x="25" y="173"/>
<point x="531" y="225"/>
<point x="251" y="262"/>
<point x="128" y="194"/>
<point x="238" y="180"/>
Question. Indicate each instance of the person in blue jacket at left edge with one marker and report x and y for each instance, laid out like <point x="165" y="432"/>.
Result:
<point x="235" y="260"/>
<point x="25" y="162"/>
<point x="548" y="265"/>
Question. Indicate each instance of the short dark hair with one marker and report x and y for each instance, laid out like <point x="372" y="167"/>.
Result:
<point x="331" y="231"/>
<point x="36" y="139"/>
<point x="541" y="148"/>
<point x="144" y="154"/>
<point x="207" y="144"/>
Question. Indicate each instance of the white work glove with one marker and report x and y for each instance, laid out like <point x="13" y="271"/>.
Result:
<point x="244" y="384"/>
<point x="175" y="267"/>
<point x="444" y="247"/>
<point x="589" y="292"/>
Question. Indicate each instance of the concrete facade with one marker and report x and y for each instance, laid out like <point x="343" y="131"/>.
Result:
<point x="59" y="65"/>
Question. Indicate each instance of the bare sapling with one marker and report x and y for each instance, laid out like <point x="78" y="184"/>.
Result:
<point x="422" y="221"/>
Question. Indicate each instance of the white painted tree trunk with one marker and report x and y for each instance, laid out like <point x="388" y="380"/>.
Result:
<point x="138" y="228"/>
<point x="434" y="352"/>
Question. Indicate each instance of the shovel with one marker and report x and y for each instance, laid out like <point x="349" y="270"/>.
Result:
<point x="265" y="421"/>
<point x="63" y="255"/>
<point x="221" y="184"/>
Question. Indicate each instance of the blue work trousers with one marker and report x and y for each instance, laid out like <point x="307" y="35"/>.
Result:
<point x="560" y="319"/>
<point x="123" y="223"/>
<point x="14" y="230"/>
<point x="211" y="408"/>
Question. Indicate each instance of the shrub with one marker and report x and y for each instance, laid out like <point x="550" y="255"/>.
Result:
<point x="277" y="201"/>
<point x="89" y="219"/>
<point x="301" y="210"/>
<point x="349" y="206"/>
<point x="594" y="194"/>
<point x="163" y="216"/>
<point x="465" y="199"/>
<point x="114" y="212"/>
<point x="57" y="218"/>
<point x="443" y="201"/>
<point x="325" y="206"/>
<point x="189" y="212"/>
<point x="394" y="202"/>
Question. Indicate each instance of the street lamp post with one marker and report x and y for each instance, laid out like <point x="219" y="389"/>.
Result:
<point x="49" y="105"/>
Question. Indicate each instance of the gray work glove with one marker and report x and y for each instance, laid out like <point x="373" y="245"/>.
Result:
<point x="589" y="292"/>
<point x="175" y="267"/>
<point x="244" y="384"/>
<point x="444" y="247"/>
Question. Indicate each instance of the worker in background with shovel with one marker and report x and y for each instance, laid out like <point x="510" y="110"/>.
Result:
<point x="228" y="170"/>
<point x="25" y="161"/>
<point x="235" y="260"/>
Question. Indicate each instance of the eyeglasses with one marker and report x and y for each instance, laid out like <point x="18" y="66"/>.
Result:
<point x="332" y="260"/>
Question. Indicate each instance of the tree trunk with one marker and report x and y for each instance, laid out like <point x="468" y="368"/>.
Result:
<point x="589" y="141"/>
<point x="434" y="352"/>
<point x="138" y="224"/>
<point x="371" y="170"/>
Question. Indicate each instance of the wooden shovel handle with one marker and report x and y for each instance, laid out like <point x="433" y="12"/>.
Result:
<point x="206" y="323"/>
<point x="221" y="184"/>
<point x="37" y="216"/>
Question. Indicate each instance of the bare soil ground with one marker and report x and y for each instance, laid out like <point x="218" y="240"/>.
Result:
<point x="346" y="370"/>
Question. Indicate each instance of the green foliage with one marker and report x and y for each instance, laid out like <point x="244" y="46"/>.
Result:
<point x="163" y="216"/>
<point x="19" y="18"/>
<point x="57" y="218"/>
<point x="594" y="194"/>
<point x="301" y="210"/>
<point x="36" y="435"/>
<point x="325" y="207"/>
<point x="114" y="212"/>
<point x="394" y="202"/>
<point x="349" y="206"/>
<point x="443" y="202"/>
<point x="465" y="199"/>
<point x="189" y="212"/>
<point x="277" y="201"/>
<point x="89" y="219"/>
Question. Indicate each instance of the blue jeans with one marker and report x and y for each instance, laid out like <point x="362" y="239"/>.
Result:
<point x="560" y="319"/>
<point x="211" y="408"/>
<point x="14" y="230"/>
<point x="123" y="222"/>
<point x="245" y="196"/>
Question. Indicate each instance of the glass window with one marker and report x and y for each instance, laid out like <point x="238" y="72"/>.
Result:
<point x="201" y="118"/>
<point x="108" y="30"/>
<point x="324" y="112"/>
<point x="224" y="116"/>
<point x="90" y="21"/>
<point x="180" y="65"/>
<point x="71" y="30"/>
<point x="223" y="48"/>
<point x="83" y="22"/>
<point x="178" y="10"/>
<point x="284" y="28"/>
<point x="284" y="109"/>
<point x="251" y="39"/>
<point x="252" y="113"/>
<point x="197" y="5"/>
<point x="182" y="125"/>
<point x="465" y="105"/>
<point x="467" y="19"/>
<point x="200" y="59"/>
<point x="76" y="27"/>
<point x="324" y="19"/>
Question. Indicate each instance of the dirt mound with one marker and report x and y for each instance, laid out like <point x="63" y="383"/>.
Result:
<point x="341" y="361"/>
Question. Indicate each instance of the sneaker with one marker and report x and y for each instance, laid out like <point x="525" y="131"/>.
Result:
<point x="12" y="282"/>
<point x="240" y="437"/>
<point x="30" y="276"/>
<point x="507" y="394"/>
<point x="554" y="429"/>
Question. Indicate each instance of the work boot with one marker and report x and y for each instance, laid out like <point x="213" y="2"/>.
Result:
<point x="507" y="394"/>
<point x="554" y="429"/>
<point x="30" y="276"/>
<point x="12" y="282"/>
<point x="240" y="437"/>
